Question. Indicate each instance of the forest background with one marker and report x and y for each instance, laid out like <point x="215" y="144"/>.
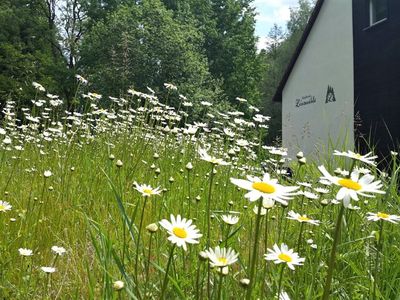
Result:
<point x="207" y="48"/>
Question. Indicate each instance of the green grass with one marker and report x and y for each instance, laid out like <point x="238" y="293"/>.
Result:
<point x="89" y="207"/>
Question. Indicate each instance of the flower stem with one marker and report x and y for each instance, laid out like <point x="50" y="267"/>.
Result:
<point x="148" y="265"/>
<point x="164" y="286"/>
<point x="138" y="239"/>
<point x="254" y="255"/>
<point x="220" y="284"/>
<point x="280" y="282"/>
<point x="300" y="237"/>
<point x="208" y="227"/>
<point x="328" y="280"/>
<point x="378" y="250"/>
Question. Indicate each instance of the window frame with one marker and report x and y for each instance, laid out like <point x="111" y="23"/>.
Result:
<point x="372" y="12"/>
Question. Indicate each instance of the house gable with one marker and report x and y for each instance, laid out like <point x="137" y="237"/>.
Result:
<point x="318" y="95"/>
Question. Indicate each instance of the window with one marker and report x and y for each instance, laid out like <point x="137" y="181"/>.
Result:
<point x="377" y="11"/>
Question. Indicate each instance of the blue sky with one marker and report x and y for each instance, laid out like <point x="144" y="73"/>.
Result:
<point x="270" y="12"/>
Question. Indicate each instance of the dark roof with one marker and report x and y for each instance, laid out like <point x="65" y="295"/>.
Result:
<point x="278" y="94"/>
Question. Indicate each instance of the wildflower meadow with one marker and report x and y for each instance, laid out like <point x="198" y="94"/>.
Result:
<point x="137" y="200"/>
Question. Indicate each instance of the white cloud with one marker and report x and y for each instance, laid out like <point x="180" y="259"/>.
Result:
<point x="263" y="42"/>
<point x="271" y="12"/>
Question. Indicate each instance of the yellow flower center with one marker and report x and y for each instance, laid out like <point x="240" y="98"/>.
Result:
<point x="222" y="260"/>
<point x="2" y="207"/>
<point x="180" y="232"/>
<point x="148" y="191"/>
<point x="382" y="215"/>
<point x="350" y="184"/>
<point x="304" y="218"/>
<point x="263" y="187"/>
<point x="285" y="257"/>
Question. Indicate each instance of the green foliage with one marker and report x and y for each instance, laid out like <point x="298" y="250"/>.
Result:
<point x="142" y="45"/>
<point x="26" y="51"/>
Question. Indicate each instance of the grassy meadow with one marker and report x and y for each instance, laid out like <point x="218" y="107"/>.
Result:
<point x="96" y="182"/>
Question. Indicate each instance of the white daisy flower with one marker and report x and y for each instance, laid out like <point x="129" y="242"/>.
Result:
<point x="367" y="158"/>
<point x="353" y="186"/>
<point x="170" y="86"/>
<point x="382" y="216"/>
<point x="48" y="270"/>
<point x="279" y="152"/>
<point x="47" y="173"/>
<point x="181" y="231"/>
<point x="241" y="99"/>
<point x="304" y="184"/>
<point x="284" y="255"/>
<point x="221" y="257"/>
<point x="4" y="206"/>
<point x="146" y="190"/>
<point x="283" y="296"/>
<point x="230" y="220"/>
<point x="301" y="218"/>
<point x="38" y="86"/>
<point x="25" y="252"/>
<point x="58" y="250"/>
<point x="321" y="190"/>
<point x="215" y="161"/>
<point x="266" y="188"/>
<point x="308" y="195"/>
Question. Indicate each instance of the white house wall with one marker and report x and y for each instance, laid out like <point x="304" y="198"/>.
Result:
<point x="311" y="122"/>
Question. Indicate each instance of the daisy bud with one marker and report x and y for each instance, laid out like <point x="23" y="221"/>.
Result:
<point x="111" y="157"/>
<point x="189" y="166"/>
<point x="244" y="282"/>
<point x="156" y="156"/>
<point x="157" y="171"/>
<point x="198" y="198"/>
<point x="324" y="202"/>
<point x="152" y="228"/>
<point x="300" y="155"/>
<point x="72" y="169"/>
<point x="118" y="285"/>
<point x="119" y="163"/>
<point x="171" y="179"/>
<point x="47" y="173"/>
<point x="302" y="161"/>
<point x="153" y="166"/>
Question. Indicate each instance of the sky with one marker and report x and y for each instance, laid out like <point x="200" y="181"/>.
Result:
<point x="270" y="12"/>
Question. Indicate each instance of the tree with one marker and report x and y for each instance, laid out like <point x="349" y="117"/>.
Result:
<point x="231" y="49"/>
<point x="27" y="49"/>
<point x="142" y="45"/>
